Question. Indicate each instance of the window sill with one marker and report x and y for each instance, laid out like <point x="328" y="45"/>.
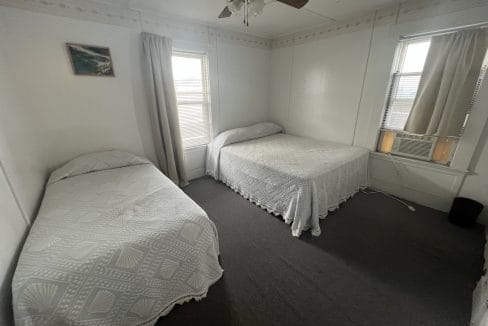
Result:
<point x="418" y="163"/>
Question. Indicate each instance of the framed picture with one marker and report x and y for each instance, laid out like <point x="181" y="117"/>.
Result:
<point x="90" y="60"/>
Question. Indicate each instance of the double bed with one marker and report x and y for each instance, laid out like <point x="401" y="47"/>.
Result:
<point x="115" y="243"/>
<point x="299" y="178"/>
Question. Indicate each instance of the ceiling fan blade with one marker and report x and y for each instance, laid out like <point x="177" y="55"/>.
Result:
<point x="294" y="3"/>
<point x="225" y="13"/>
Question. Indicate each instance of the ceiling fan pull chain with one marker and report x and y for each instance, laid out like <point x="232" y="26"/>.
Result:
<point x="247" y="13"/>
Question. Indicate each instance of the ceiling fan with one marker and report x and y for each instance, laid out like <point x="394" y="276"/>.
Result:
<point x="254" y="7"/>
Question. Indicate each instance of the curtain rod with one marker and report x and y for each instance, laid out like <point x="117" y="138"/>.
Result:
<point x="446" y="31"/>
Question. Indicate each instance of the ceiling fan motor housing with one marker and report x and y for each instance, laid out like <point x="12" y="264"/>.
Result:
<point x="254" y="7"/>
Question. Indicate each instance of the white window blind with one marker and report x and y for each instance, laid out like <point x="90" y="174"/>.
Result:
<point x="190" y="73"/>
<point x="409" y="64"/>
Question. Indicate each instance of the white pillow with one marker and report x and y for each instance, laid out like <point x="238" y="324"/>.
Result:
<point x="96" y="162"/>
<point x="257" y="130"/>
<point x="232" y="136"/>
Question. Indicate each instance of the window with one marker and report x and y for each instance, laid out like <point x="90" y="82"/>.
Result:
<point x="190" y="73"/>
<point x="408" y="69"/>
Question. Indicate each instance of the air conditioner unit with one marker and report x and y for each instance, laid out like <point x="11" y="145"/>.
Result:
<point x="416" y="146"/>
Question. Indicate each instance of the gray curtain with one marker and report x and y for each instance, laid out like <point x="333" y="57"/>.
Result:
<point x="448" y="82"/>
<point x="166" y="127"/>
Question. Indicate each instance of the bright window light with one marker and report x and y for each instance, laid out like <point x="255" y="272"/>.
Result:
<point x="405" y="82"/>
<point x="190" y="73"/>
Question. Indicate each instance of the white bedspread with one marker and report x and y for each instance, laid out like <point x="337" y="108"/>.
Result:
<point x="298" y="178"/>
<point x="116" y="246"/>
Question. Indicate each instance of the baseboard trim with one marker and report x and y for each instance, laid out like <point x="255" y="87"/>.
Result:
<point x="196" y="173"/>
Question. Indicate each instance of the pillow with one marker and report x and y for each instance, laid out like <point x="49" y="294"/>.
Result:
<point x="96" y="162"/>
<point x="237" y="135"/>
<point x="232" y="136"/>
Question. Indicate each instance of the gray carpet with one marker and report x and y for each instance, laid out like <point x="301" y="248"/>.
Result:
<point x="376" y="263"/>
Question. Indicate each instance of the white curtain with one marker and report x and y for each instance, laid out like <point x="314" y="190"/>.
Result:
<point x="165" y="123"/>
<point x="448" y="82"/>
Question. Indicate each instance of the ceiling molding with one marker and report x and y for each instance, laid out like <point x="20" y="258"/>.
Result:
<point x="404" y="11"/>
<point x="414" y="10"/>
<point x="143" y="21"/>
<point x="83" y="10"/>
<point x="185" y="29"/>
<point x="330" y="30"/>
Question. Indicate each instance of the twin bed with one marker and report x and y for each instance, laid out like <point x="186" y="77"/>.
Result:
<point x="117" y="243"/>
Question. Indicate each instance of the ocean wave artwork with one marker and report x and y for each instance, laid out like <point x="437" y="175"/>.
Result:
<point x="90" y="60"/>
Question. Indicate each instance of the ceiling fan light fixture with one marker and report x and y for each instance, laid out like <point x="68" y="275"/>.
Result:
<point x="234" y="6"/>
<point x="253" y="8"/>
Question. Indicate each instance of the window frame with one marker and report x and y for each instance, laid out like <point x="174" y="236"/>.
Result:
<point x="206" y="85"/>
<point x="395" y="77"/>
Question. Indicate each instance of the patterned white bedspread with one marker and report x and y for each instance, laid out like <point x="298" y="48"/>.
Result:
<point x="118" y="246"/>
<point x="298" y="178"/>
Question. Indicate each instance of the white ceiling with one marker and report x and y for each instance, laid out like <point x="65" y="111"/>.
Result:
<point x="277" y="19"/>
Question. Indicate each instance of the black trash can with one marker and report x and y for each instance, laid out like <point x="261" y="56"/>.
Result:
<point x="464" y="212"/>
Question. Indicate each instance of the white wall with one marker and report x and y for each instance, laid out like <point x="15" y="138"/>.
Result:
<point x="66" y="114"/>
<point x="243" y="85"/>
<point x="11" y="237"/>
<point x="12" y="222"/>
<point x="19" y="151"/>
<point x="318" y="86"/>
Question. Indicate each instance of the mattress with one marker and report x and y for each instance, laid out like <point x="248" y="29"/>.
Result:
<point x="299" y="178"/>
<point x="113" y="244"/>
